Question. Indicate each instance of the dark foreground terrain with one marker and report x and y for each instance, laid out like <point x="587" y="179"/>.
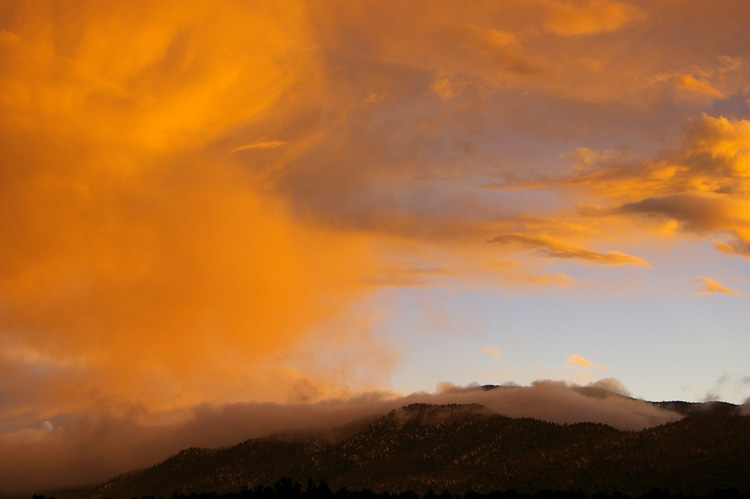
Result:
<point x="462" y="449"/>
<point x="287" y="489"/>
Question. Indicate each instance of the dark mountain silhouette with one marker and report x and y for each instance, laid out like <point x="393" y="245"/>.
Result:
<point x="459" y="448"/>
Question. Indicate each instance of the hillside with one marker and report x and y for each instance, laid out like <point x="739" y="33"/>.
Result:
<point x="466" y="447"/>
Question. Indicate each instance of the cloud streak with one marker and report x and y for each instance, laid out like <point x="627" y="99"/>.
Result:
<point x="556" y="249"/>
<point x="709" y="286"/>
<point x="693" y="84"/>
<point x="494" y="351"/>
<point x="577" y="360"/>
<point x="260" y="144"/>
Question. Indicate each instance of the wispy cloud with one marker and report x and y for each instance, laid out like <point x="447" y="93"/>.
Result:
<point x="494" y="351"/>
<point x="693" y="84"/>
<point x="709" y="286"/>
<point x="577" y="360"/>
<point x="260" y="144"/>
<point x="556" y="249"/>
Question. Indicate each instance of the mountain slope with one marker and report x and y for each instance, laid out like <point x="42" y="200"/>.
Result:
<point x="466" y="447"/>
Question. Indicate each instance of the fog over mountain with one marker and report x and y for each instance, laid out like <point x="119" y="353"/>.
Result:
<point x="88" y="450"/>
<point x="461" y="448"/>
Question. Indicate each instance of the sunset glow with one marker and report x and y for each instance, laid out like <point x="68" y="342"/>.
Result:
<point x="211" y="203"/>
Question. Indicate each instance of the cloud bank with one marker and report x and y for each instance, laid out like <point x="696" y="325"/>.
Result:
<point x="86" y="450"/>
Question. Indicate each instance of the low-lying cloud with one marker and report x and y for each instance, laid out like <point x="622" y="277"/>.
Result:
<point x="84" y="449"/>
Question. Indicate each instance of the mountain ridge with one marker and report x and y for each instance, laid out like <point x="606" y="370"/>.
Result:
<point x="462" y="447"/>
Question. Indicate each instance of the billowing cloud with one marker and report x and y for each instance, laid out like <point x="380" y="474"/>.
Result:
<point x="610" y="385"/>
<point x="140" y="261"/>
<point x="709" y="286"/>
<point x="179" y="202"/>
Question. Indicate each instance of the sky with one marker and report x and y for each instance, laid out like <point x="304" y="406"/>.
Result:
<point x="205" y="204"/>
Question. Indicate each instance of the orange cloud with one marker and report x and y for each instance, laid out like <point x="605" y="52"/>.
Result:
<point x="558" y="279"/>
<point x="738" y="245"/>
<point x="701" y="189"/>
<point x="132" y="236"/>
<point x="555" y="249"/>
<point x="709" y="286"/>
<point x="195" y="199"/>
<point x="446" y="86"/>
<point x="693" y="84"/>
<point x="140" y="261"/>
<point x="181" y="77"/>
<point x="494" y="351"/>
<point x="260" y="144"/>
<point x="595" y="16"/>
<point x="701" y="213"/>
<point x="577" y="360"/>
